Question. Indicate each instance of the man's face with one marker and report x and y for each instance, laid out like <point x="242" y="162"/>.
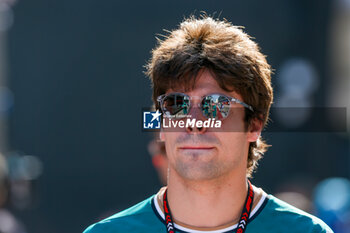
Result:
<point x="204" y="153"/>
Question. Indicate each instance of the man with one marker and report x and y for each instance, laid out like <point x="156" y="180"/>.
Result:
<point x="208" y="68"/>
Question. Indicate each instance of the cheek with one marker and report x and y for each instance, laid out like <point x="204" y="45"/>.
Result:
<point x="234" y="144"/>
<point x="170" y="145"/>
<point x="234" y="123"/>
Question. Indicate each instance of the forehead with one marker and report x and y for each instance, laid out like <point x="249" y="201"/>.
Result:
<point x="205" y="84"/>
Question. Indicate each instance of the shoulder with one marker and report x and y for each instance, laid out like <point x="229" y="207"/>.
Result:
<point x="129" y="220"/>
<point x="283" y="215"/>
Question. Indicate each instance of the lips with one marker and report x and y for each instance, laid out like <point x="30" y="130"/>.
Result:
<point x="196" y="147"/>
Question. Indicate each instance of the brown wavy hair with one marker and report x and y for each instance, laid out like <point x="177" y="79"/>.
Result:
<point x="229" y="54"/>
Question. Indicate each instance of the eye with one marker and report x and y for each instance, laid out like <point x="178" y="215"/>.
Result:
<point x="176" y="105"/>
<point x="215" y="106"/>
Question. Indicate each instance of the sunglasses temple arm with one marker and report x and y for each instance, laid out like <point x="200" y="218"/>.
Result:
<point x="159" y="98"/>
<point x="242" y="103"/>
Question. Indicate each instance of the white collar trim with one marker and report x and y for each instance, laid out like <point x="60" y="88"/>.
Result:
<point x="160" y="212"/>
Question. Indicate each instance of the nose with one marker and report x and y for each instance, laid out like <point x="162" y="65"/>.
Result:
<point x="196" y="115"/>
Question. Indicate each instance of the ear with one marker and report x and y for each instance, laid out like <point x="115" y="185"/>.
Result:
<point x="254" y="130"/>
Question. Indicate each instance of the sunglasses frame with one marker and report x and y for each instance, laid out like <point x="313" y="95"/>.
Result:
<point x="161" y="98"/>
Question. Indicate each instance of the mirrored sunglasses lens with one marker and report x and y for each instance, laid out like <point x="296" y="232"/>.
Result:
<point x="216" y="106"/>
<point x="176" y="105"/>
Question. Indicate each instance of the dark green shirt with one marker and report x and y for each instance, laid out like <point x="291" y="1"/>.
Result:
<point x="270" y="215"/>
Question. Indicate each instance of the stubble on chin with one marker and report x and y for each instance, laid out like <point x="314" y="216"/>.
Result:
<point x="198" y="170"/>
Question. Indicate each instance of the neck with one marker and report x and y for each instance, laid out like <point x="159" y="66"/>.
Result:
<point x="207" y="203"/>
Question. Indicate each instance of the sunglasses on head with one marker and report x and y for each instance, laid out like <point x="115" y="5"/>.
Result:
<point x="215" y="106"/>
